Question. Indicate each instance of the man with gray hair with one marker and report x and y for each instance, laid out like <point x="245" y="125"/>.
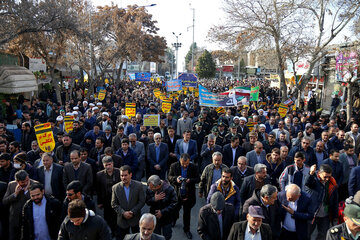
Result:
<point x="295" y="212"/>
<point x="139" y="149"/>
<point x="258" y="155"/>
<point x="240" y="171"/>
<point x="158" y="155"/>
<point x="266" y="198"/>
<point x="207" y="150"/>
<point x="254" y="182"/>
<point x="211" y="174"/>
<point x="162" y="199"/>
<point x="105" y="179"/>
<point x="147" y="225"/>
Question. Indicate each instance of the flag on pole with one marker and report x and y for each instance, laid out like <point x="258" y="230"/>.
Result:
<point x="254" y="94"/>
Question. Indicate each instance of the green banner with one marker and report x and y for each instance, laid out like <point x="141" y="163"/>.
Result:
<point x="254" y="94"/>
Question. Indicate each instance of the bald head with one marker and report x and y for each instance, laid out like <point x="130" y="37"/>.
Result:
<point x="258" y="147"/>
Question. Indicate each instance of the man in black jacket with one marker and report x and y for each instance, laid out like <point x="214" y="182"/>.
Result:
<point x="183" y="176"/>
<point x="209" y="225"/>
<point x="161" y="197"/>
<point x="82" y="223"/>
<point x="41" y="215"/>
<point x="266" y="198"/>
<point x="241" y="171"/>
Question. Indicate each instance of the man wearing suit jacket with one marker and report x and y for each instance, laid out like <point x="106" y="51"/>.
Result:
<point x="348" y="160"/>
<point x="170" y="140"/>
<point x="241" y="171"/>
<point x="295" y="213"/>
<point x="249" y="229"/>
<point x="51" y="176"/>
<point x="258" y="155"/>
<point x="232" y="152"/>
<point x="128" y="156"/>
<point x="183" y="176"/>
<point x="147" y="225"/>
<point x="186" y="145"/>
<point x="158" y="154"/>
<point x="77" y="170"/>
<point x="105" y="179"/>
<point x="16" y="195"/>
<point x="207" y="150"/>
<point x="139" y="149"/>
<point x="109" y="152"/>
<point x="184" y="123"/>
<point x="127" y="199"/>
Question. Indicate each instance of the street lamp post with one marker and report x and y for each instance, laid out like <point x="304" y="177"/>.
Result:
<point x="177" y="45"/>
<point x="193" y="40"/>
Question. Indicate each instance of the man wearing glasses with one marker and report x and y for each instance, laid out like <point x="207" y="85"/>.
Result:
<point x="158" y="155"/>
<point x="307" y="150"/>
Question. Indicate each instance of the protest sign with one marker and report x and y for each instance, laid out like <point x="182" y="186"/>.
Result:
<point x="151" y="120"/>
<point x="143" y="77"/>
<point x="173" y="85"/>
<point x="166" y="106"/>
<point x="102" y="94"/>
<point x="45" y="137"/>
<point x="283" y="110"/>
<point x="130" y="109"/>
<point x="188" y="79"/>
<point x="68" y="122"/>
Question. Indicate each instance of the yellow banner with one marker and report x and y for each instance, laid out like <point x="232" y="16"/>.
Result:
<point x="45" y="137"/>
<point x="102" y="94"/>
<point x="130" y="109"/>
<point x="151" y="120"/>
<point x="166" y="106"/>
<point x="196" y="92"/>
<point x="68" y="122"/>
<point x="157" y="92"/>
<point x="283" y="110"/>
<point x="251" y="125"/>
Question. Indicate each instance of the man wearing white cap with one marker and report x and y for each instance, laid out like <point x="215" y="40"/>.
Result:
<point x="124" y="121"/>
<point x="60" y="123"/>
<point x="243" y="130"/>
<point x="84" y="107"/>
<point x="106" y="121"/>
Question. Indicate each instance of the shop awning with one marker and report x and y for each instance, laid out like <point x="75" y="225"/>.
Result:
<point x="16" y="79"/>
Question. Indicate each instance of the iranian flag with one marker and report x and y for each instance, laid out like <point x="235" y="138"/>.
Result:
<point x="239" y="91"/>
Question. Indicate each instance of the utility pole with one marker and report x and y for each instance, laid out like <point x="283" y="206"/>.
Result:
<point x="177" y="45"/>
<point x="193" y="40"/>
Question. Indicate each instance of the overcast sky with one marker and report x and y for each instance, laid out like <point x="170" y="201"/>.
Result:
<point x="176" y="16"/>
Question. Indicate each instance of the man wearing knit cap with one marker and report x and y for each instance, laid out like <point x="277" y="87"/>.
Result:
<point x="216" y="218"/>
<point x="82" y="223"/>
<point x="21" y="164"/>
<point x="252" y="227"/>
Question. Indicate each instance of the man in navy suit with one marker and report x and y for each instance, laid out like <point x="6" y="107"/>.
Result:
<point x="186" y="145"/>
<point x="128" y="156"/>
<point x="295" y="213"/>
<point x="258" y="155"/>
<point x="158" y="154"/>
<point x="51" y="176"/>
<point x="232" y="152"/>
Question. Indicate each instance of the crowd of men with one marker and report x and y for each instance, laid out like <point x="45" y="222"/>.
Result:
<point x="283" y="178"/>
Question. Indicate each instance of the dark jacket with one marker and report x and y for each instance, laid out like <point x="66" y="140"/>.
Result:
<point x="271" y="213"/>
<point x="301" y="215"/>
<point x="63" y="154"/>
<point x="166" y="205"/>
<point x="238" y="230"/>
<point x="316" y="190"/>
<point x="337" y="170"/>
<point x="85" y="176"/>
<point x="238" y="177"/>
<point x="57" y="186"/>
<point x="136" y="236"/>
<point x="228" y="158"/>
<point x="248" y="187"/>
<point x="309" y="155"/>
<point x="103" y="188"/>
<point x="232" y="197"/>
<point x="208" y="223"/>
<point x="87" y="200"/>
<point x="130" y="159"/>
<point x="191" y="174"/>
<point x="206" y="155"/>
<point x="78" y="136"/>
<point x="338" y="232"/>
<point x="206" y="178"/>
<point x="354" y="181"/>
<point x="52" y="214"/>
<point x="268" y="148"/>
<point x="93" y="227"/>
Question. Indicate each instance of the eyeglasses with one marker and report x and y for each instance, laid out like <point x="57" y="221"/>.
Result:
<point x="157" y="138"/>
<point x="69" y="194"/>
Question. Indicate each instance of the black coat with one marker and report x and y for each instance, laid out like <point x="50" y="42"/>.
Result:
<point x="192" y="175"/>
<point x="167" y="205"/>
<point x="103" y="189"/>
<point x="208" y="223"/>
<point x="248" y="187"/>
<point x="271" y="213"/>
<point x="52" y="214"/>
<point x="238" y="177"/>
<point x="228" y="155"/>
<point x="238" y="230"/>
<point x="57" y="186"/>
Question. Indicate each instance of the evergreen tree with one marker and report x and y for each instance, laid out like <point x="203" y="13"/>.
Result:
<point x="188" y="57"/>
<point x="206" y="67"/>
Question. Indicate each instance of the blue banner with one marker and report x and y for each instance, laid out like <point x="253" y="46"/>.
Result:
<point x="188" y="79"/>
<point x="211" y="99"/>
<point x="173" y="86"/>
<point x="143" y="77"/>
